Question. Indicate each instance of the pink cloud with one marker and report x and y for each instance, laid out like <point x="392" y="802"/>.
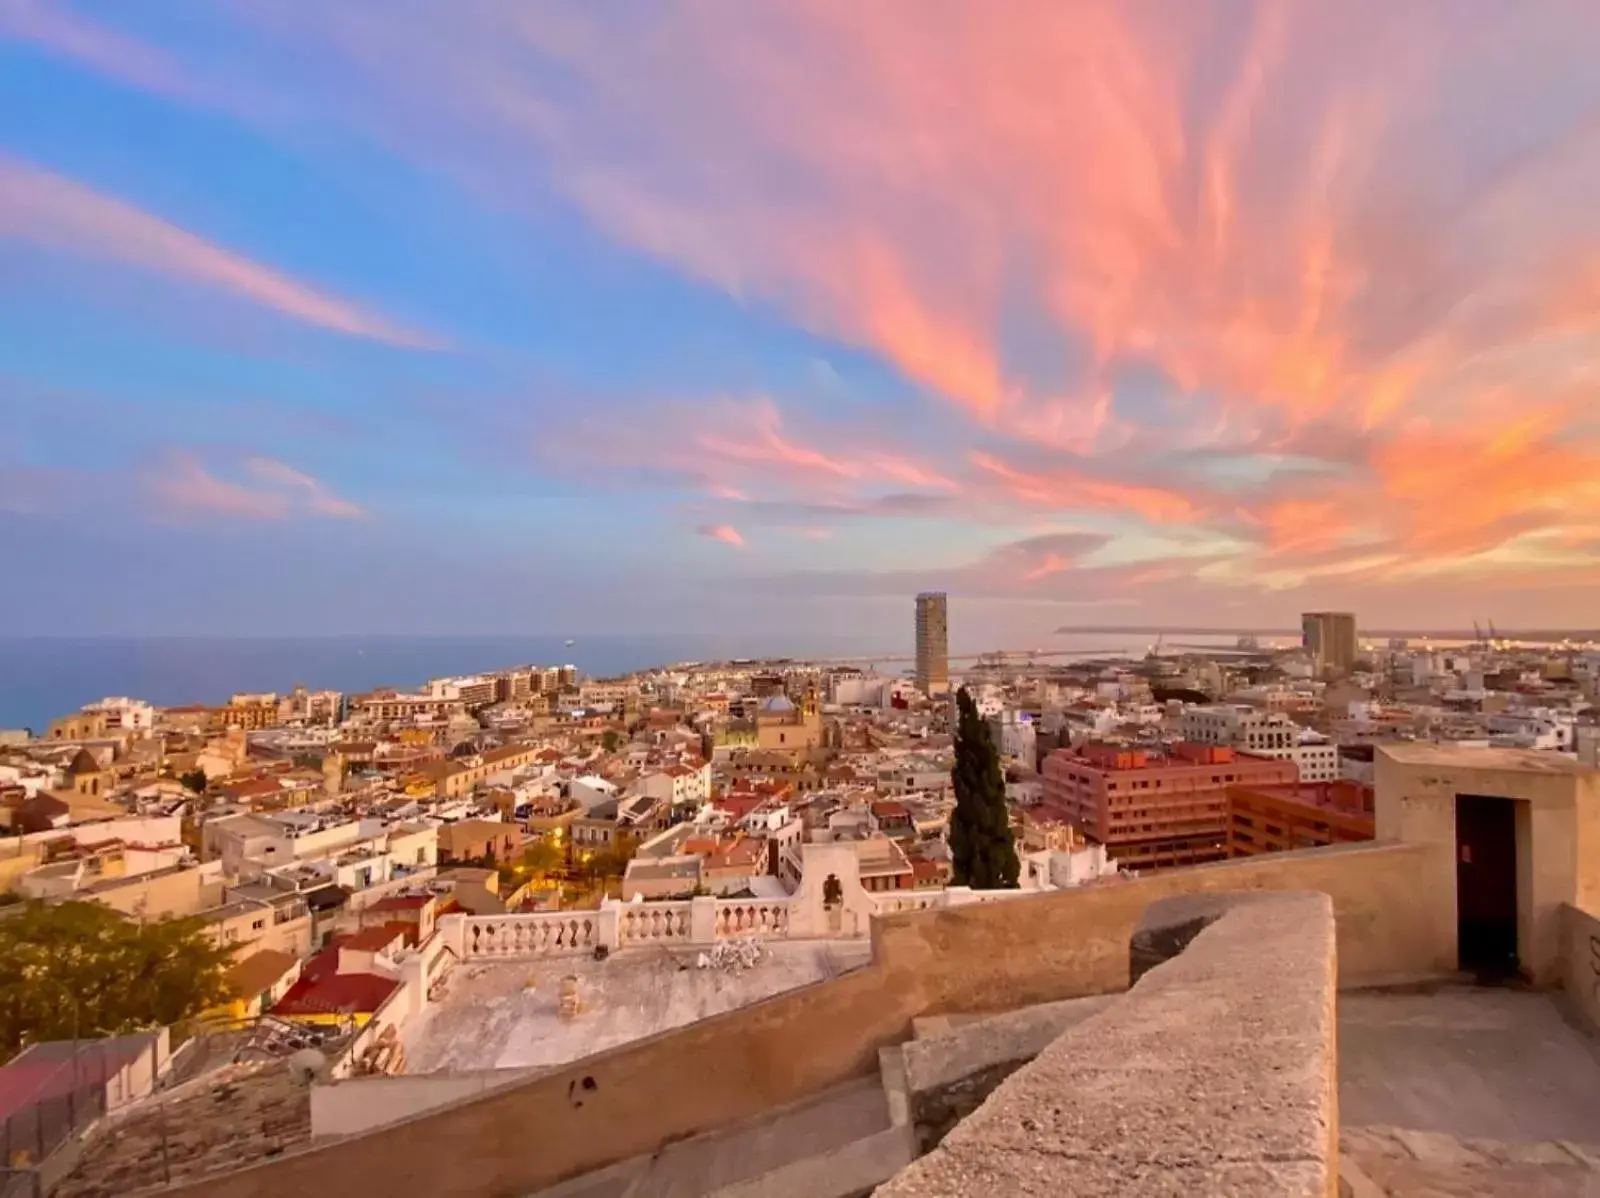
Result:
<point x="314" y="495"/>
<point x="1290" y="216"/>
<point x="187" y="487"/>
<point x="184" y="486"/>
<point x="52" y="27"/>
<point x="725" y="533"/>
<point x="49" y="210"/>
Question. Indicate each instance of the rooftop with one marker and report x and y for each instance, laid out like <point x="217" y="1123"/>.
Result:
<point x="1426" y="753"/>
<point x="504" y="1016"/>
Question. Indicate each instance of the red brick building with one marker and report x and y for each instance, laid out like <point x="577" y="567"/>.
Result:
<point x="1271" y="819"/>
<point x="1154" y="810"/>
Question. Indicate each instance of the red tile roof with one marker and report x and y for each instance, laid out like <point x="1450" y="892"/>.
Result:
<point x="323" y="990"/>
<point x="340" y="994"/>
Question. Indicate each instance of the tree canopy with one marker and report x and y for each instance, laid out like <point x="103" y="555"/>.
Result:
<point x="982" y="850"/>
<point x="82" y="969"/>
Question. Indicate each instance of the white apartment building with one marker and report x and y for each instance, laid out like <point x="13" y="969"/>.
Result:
<point x="678" y="784"/>
<point x="127" y="715"/>
<point x="591" y="790"/>
<point x="1015" y="736"/>
<point x="1266" y="733"/>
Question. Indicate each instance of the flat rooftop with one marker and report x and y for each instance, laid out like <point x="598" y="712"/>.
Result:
<point x="1425" y="753"/>
<point x="503" y="1014"/>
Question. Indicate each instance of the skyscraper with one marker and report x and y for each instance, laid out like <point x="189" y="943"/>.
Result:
<point x="933" y="643"/>
<point x="1330" y="638"/>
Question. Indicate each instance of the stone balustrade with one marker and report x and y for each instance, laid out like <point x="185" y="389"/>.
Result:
<point x="700" y="921"/>
<point x="543" y="935"/>
<point x="654" y="923"/>
<point x="766" y="918"/>
<point x="895" y="902"/>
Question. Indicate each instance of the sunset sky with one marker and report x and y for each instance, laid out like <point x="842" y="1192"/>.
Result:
<point x="412" y="316"/>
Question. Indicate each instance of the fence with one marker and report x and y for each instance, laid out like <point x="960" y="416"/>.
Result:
<point x="32" y="1136"/>
<point x="688" y="922"/>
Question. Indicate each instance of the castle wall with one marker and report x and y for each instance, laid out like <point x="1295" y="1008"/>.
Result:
<point x="991" y="956"/>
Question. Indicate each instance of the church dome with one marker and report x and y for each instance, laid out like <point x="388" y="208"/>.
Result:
<point x="776" y="705"/>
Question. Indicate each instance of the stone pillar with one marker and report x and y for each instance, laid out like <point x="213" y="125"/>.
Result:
<point x="703" y="919"/>
<point x="414" y="981"/>
<point x="453" y="928"/>
<point x="608" y="927"/>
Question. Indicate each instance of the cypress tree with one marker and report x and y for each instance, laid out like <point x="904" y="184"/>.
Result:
<point x="982" y="850"/>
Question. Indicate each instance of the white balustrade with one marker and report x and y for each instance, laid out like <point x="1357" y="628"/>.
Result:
<point x="653" y="923"/>
<point x="894" y="904"/>
<point x="738" y="918"/>
<point x="544" y="935"/>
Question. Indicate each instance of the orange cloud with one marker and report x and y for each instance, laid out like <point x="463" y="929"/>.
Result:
<point x="1290" y="215"/>
<point x="1070" y="489"/>
<point x="725" y="533"/>
<point x="47" y="209"/>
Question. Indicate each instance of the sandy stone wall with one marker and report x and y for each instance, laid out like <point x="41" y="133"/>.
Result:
<point x="1213" y="1075"/>
<point x="1582" y="960"/>
<point x="988" y="957"/>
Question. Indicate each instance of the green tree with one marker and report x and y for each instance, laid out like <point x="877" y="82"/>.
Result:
<point x="982" y="850"/>
<point x="194" y="780"/>
<point x="611" y="741"/>
<point x="83" y="969"/>
<point x="542" y="856"/>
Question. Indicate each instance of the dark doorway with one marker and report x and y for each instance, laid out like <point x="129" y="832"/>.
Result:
<point x="1486" y="884"/>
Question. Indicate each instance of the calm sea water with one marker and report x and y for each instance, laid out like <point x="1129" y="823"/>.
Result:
<point x="43" y="678"/>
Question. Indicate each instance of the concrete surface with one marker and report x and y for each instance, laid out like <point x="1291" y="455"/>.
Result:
<point x="1487" y="1063"/>
<point x="357" y="1104"/>
<point x="755" y="1159"/>
<point x="1382" y="1162"/>
<point x="503" y="1015"/>
<point x="1212" y="1076"/>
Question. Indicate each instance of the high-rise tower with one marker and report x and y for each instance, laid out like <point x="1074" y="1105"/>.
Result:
<point x="1330" y="638"/>
<point x="933" y="643"/>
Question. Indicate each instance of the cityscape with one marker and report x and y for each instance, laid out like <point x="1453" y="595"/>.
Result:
<point x="501" y="874"/>
<point x="799" y="599"/>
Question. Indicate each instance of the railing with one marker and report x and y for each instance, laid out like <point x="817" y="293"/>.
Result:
<point x="654" y="923"/>
<point x="752" y="917"/>
<point x="547" y="935"/>
<point x="889" y="903"/>
<point x="699" y="922"/>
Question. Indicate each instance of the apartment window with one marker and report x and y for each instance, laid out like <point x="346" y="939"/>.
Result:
<point x="257" y="925"/>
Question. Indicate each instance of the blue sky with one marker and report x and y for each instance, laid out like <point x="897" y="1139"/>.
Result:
<point x="695" y="315"/>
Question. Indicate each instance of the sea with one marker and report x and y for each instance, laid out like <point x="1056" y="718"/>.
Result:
<point x="46" y="677"/>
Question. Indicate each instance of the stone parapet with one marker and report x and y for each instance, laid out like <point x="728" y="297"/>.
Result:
<point x="1215" y="1074"/>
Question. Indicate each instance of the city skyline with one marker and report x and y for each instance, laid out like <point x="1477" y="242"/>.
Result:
<point x="1085" y="315"/>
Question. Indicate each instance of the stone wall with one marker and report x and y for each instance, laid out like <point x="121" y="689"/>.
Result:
<point x="1581" y="934"/>
<point x="1215" y="1074"/>
<point x="982" y="957"/>
<point x="1557" y="812"/>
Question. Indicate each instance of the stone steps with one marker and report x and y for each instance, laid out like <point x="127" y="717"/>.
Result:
<point x="954" y="1062"/>
<point x="1393" y="1162"/>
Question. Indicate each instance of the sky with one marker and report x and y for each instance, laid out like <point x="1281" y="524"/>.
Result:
<point x="658" y="316"/>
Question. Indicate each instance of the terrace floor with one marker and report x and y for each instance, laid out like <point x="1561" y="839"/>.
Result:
<point x="504" y="1014"/>
<point x="1462" y="1092"/>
